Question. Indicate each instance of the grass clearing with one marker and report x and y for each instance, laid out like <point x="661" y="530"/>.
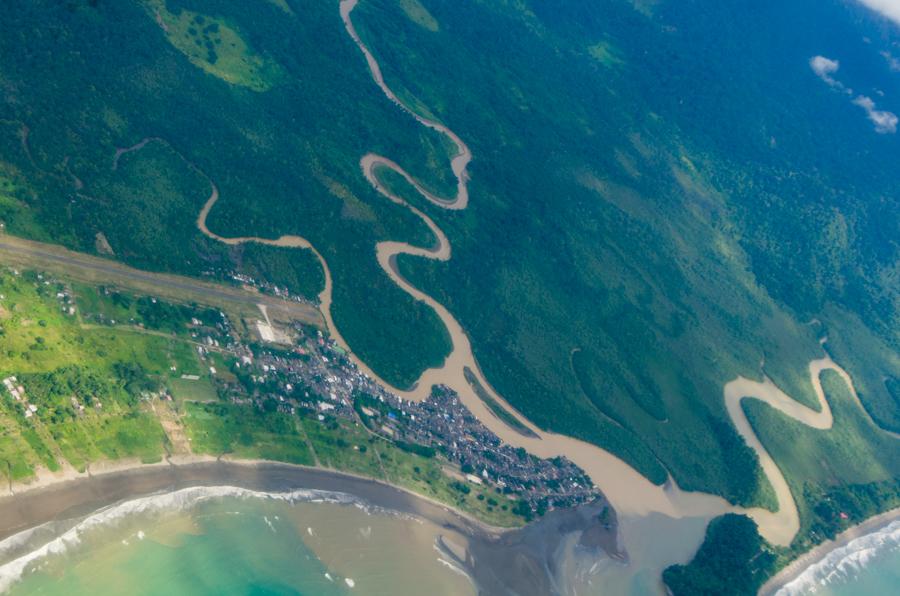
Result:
<point x="198" y="391"/>
<point x="219" y="428"/>
<point x="606" y="54"/>
<point x="211" y="44"/>
<point x="419" y="15"/>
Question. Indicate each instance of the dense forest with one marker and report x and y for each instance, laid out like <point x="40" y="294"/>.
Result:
<point x="637" y="248"/>
<point x="662" y="198"/>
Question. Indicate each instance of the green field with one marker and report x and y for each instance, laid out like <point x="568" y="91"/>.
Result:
<point x="211" y="44"/>
<point x="84" y="383"/>
<point x="219" y="429"/>
<point x="200" y="390"/>
<point x="349" y="447"/>
<point x="246" y="432"/>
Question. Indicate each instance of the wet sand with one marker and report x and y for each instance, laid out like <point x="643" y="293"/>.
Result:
<point x="498" y="560"/>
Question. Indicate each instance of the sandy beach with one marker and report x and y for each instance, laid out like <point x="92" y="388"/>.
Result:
<point x="498" y="559"/>
<point x="800" y="564"/>
<point x="72" y="494"/>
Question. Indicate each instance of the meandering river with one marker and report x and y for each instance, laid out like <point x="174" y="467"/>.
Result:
<point x="635" y="498"/>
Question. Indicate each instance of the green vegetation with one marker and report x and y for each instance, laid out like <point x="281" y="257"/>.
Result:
<point x="248" y="432"/>
<point x="96" y="391"/>
<point x="636" y="237"/>
<point x="183" y="390"/>
<point x="111" y="306"/>
<point x="82" y="388"/>
<point x="279" y="168"/>
<point x="14" y="213"/>
<point x="606" y="54"/>
<point x="419" y="14"/>
<point x="854" y="463"/>
<point x="494" y="406"/>
<point x="731" y="561"/>
<point x="283" y="5"/>
<point x="217" y="48"/>
<point x="838" y="477"/>
<point x="218" y="428"/>
<point x="349" y="447"/>
<point x="298" y="272"/>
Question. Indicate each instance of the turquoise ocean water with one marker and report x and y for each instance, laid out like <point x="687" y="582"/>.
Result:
<point x="866" y="566"/>
<point x="227" y="541"/>
<point x="236" y="545"/>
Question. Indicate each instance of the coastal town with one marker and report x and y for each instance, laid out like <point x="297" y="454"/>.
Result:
<point x="316" y="377"/>
<point x="297" y="370"/>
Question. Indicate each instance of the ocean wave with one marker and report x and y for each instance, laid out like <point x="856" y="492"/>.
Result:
<point x="844" y="562"/>
<point x="180" y="500"/>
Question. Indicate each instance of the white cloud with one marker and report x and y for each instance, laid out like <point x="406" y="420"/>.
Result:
<point x="885" y="122"/>
<point x="824" y="68"/>
<point x="893" y="62"/>
<point x="888" y="8"/>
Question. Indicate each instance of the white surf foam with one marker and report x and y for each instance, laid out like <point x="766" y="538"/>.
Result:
<point x="845" y="562"/>
<point x="180" y="500"/>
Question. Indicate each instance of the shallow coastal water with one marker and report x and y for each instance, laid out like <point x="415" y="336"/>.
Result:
<point x="209" y="542"/>
<point x="881" y="576"/>
<point x="272" y="538"/>
<point x="866" y="566"/>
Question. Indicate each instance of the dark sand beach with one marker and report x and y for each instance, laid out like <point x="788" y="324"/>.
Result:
<point x="499" y="561"/>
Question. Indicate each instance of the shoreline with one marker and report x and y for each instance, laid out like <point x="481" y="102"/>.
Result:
<point x="497" y="559"/>
<point x="797" y="566"/>
<point x="195" y="470"/>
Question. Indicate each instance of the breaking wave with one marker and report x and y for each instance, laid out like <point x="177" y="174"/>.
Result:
<point x="26" y="549"/>
<point x="845" y="562"/>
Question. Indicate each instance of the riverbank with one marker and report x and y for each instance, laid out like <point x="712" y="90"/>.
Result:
<point x="497" y="559"/>
<point x="799" y="565"/>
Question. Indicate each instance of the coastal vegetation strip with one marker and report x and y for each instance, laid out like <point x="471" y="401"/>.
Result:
<point x="502" y="413"/>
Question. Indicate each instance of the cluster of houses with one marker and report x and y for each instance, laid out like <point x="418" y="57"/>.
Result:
<point x="263" y="286"/>
<point x="318" y="377"/>
<point x="66" y="301"/>
<point x="17" y="392"/>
